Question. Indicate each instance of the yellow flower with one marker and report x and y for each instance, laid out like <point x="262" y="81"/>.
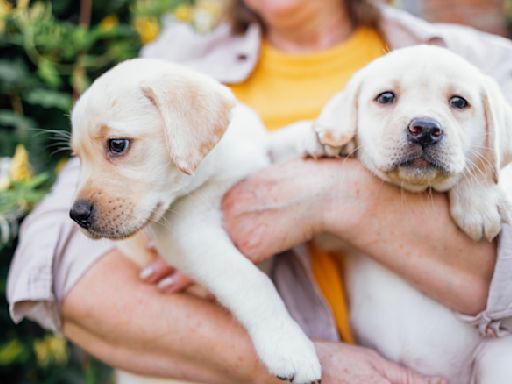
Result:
<point x="207" y="14"/>
<point x="20" y="166"/>
<point x="109" y="22"/>
<point x="22" y="4"/>
<point x="5" y="8"/>
<point x="50" y="349"/>
<point x="183" y="13"/>
<point x="147" y="28"/>
<point x="10" y="351"/>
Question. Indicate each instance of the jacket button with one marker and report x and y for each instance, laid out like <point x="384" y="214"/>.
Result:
<point x="241" y="57"/>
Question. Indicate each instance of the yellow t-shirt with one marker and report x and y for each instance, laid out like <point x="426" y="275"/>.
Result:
<point x="285" y="88"/>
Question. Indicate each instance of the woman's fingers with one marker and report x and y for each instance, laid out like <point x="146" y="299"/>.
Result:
<point x="156" y="271"/>
<point x="166" y="278"/>
<point x="397" y="374"/>
<point x="174" y="283"/>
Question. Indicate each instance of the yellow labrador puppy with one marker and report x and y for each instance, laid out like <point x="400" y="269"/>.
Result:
<point x="421" y="117"/>
<point x="159" y="146"/>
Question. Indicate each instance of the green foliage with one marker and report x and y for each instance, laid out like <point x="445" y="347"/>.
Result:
<point x="50" y="51"/>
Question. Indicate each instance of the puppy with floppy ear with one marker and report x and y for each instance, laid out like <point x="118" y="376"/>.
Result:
<point x="178" y="141"/>
<point x="420" y="117"/>
<point x="468" y="165"/>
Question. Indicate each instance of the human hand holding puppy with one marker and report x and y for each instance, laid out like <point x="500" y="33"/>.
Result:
<point x="260" y="210"/>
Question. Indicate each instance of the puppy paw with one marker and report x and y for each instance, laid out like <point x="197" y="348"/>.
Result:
<point x="479" y="210"/>
<point x="335" y="144"/>
<point x="289" y="354"/>
<point x="346" y="150"/>
<point x="294" y="141"/>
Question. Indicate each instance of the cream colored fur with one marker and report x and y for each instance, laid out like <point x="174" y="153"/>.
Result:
<point x="189" y="142"/>
<point x="387" y="313"/>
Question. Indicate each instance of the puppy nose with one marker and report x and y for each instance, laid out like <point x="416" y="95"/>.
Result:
<point x="424" y="131"/>
<point x="81" y="213"/>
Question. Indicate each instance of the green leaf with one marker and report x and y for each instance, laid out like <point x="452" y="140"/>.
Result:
<point x="48" y="72"/>
<point x="13" y="73"/>
<point x="11" y="352"/>
<point x="37" y="180"/>
<point x="11" y="118"/>
<point x="48" y="99"/>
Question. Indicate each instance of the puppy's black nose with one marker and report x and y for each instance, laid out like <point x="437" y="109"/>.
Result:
<point x="81" y="213"/>
<point x="424" y="131"/>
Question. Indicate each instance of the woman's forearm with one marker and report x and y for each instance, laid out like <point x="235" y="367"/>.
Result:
<point x="410" y="233"/>
<point x="413" y="235"/>
<point x="130" y="325"/>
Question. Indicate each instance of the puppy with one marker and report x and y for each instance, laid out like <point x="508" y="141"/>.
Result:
<point x="421" y="117"/>
<point x="159" y="146"/>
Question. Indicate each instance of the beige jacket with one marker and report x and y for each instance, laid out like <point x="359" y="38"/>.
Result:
<point x="52" y="254"/>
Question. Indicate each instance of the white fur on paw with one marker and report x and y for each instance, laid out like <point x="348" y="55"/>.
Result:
<point x="479" y="210"/>
<point x="345" y="150"/>
<point x="288" y="354"/>
<point x="309" y="145"/>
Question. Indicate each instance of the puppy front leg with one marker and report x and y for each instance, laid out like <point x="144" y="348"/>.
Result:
<point x="294" y="141"/>
<point x="478" y="207"/>
<point x="302" y="139"/>
<point x="198" y="246"/>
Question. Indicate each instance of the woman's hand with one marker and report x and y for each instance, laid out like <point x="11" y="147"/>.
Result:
<point x="287" y="204"/>
<point x="349" y="364"/>
<point x="160" y="273"/>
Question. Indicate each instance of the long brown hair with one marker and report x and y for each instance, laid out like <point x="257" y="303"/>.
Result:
<point x="360" y="12"/>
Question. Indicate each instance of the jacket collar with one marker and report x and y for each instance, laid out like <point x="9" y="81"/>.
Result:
<point x="231" y="59"/>
<point x="401" y="29"/>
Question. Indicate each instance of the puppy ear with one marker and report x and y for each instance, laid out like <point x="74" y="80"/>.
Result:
<point x="195" y="111"/>
<point x="498" y="121"/>
<point x="337" y="124"/>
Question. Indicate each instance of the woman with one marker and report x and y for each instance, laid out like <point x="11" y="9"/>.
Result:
<point x="135" y="328"/>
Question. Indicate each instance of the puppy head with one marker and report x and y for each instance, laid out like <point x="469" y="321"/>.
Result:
<point x="140" y="131"/>
<point x="421" y="117"/>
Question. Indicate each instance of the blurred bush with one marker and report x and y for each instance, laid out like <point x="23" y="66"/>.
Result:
<point x="50" y="51"/>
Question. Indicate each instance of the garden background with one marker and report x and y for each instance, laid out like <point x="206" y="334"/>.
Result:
<point x="50" y="51"/>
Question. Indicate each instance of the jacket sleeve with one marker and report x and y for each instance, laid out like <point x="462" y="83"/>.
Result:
<point x="496" y="318"/>
<point x="52" y="254"/>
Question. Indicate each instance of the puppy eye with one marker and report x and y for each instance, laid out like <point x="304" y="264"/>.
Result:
<point x="458" y="102"/>
<point x="387" y="97"/>
<point x="117" y="147"/>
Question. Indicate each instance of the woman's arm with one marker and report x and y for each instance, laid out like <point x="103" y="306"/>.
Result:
<point x="128" y="324"/>
<point x="412" y="234"/>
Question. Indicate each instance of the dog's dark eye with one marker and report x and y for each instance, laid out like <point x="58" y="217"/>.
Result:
<point x="458" y="102"/>
<point x="387" y="97"/>
<point x="117" y="147"/>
